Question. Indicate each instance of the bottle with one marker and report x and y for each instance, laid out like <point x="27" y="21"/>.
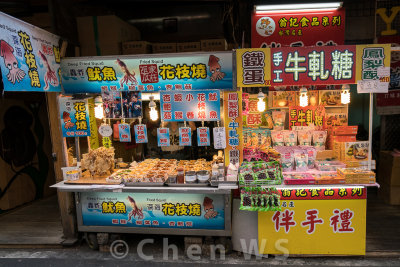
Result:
<point x="214" y="172"/>
<point x="221" y="172"/>
<point x="180" y="177"/>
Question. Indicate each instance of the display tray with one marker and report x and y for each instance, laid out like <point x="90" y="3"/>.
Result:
<point x="87" y="180"/>
<point x="190" y="185"/>
<point x="132" y="184"/>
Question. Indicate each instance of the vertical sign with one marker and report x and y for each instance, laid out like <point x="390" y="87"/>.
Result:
<point x="219" y="138"/>
<point x="74" y="116"/>
<point x="124" y="132"/>
<point x="233" y="125"/>
<point x="140" y="133"/>
<point x="163" y="137"/>
<point x="185" y="136"/>
<point x="203" y="136"/>
<point x="94" y="137"/>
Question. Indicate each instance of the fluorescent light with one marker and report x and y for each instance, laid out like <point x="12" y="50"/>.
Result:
<point x="146" y="96"/>
<point x="314" y="6"/>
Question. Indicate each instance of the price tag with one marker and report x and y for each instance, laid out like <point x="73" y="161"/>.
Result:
<point x="105" y="130"/>
<point x="203" y="136"/>
<point x="219" y="138"/>
<point x="185" y="136"/>
<point x="372" y="86"/>
<point x="140" y="133"/>
<point x="163" y="137"/>
<point x="107" y="142"/>
<point x="124" y="132"/>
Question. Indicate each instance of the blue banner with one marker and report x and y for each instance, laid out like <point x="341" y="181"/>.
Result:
<point x="190" y="105"/>
<point x="124" y="132"/>
<point x="163" y="137"/>
<point x="153" y="210"/>
<point x="140" y="133"/>
<point x="74" y="115"/>
<point x="29" y="57"/>
<point x="203" y="136"/>
<point x="211" y="70"/>
<point x="185" y="136"/>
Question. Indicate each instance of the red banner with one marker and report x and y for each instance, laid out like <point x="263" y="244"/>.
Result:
<point x="309" y="115"/>
<point x="313" y="65"/>
<point x="296" y="28"/>
<point x="323" y="193"/>
<point x="392" y="98"/>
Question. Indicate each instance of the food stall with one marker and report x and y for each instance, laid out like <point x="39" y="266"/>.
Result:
<point x="295" y="116"/>
<point x="152" y="143"/>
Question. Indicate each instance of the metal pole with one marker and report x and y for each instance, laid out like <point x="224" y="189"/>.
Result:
<point x="371" y="111"/>
<point x="77" y="150"/>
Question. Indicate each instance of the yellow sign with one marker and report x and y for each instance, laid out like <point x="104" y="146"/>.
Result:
<point x="369" y="58"/>
<point x="314" y="227"/>
<point x="253" y="67"/>
<point x="233" y="127"/>
<point x="94" y="137"/>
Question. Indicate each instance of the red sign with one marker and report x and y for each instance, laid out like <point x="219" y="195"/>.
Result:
<point x="392" y="98"/>
<point x="313" y="65"/>
<point x="309" y="115"/>
<point x="295" y="28"/>
<point x="148" y="73"/>
<point x="323" y="193"/>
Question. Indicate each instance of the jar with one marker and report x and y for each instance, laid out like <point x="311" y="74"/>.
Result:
<point x="180" y="177"/>
<point x="190" y="177"/>
<point x="203" y="176"/>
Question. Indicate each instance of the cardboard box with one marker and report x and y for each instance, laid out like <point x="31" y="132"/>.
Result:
<point x="389" y="169"/>
<point x="336" y="119"/>
<point x="214" y="45"/>
<point x="188" y="47"/>
<point x="390" y="194"/>
<point x="136" y="47"/>
<point x="343" y="130"/>
<point x="324" y="155"/>
<point x="104" y="34"/>
<point x="164" y="48"/>
<point x="332" y="139"/>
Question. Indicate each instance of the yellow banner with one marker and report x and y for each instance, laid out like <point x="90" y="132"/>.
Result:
<point x="314" y="227"/>
<point x="233" y="127"/>
<point x="253" y="67"/>
<point x="93" y="138"/>
<point x="372" y="55"/>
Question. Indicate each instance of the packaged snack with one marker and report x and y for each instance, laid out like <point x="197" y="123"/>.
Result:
<point x="265" y="139"/>
<point x="312" y="155"/>
<point x="287" y="161"/>
<point x="277" y="138"/>
<point x="319" y="139"/>
<point x="269" y="120"/>
<point x="301" y="160"/>
<point x="304" y="137"/>
<point x="279" y="119"/>
<point x="245" y="203"/>
<point x="290" y="138"/>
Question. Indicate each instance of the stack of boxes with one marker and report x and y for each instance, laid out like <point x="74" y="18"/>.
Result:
<point x="339" y="134"/>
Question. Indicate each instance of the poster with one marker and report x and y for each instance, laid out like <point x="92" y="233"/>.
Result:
<point x="155" y="210"/>
<point x="190" y="105"/>
<point x="74" y="115"/>
<point x="185" y="136"/>
<point x="148" y="73"/>
<point x="163" y="137"/>
<point x="307" y="116"/>
<point x="118" y="104"/>
<point x="29" y="57"/>
<point x="219" y="137"/>
<point x="233" y="124"/>
<point x="298" y="28"/>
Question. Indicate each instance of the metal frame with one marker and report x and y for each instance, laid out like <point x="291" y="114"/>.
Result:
<point x="165" y="231"/>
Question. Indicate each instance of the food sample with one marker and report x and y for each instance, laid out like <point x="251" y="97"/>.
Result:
<point x="99" y="161"/>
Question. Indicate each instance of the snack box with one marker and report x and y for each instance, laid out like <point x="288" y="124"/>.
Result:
<point x="356" y="151"/>
<point x="325" y="165"/>
<point x="298" y="178"/>
<point x="332" y="139"/>
<point x="343" y="130"/>
<point x="328" y="178"/>
<point x="355" y="173"/>
<point x="325" y="154"/>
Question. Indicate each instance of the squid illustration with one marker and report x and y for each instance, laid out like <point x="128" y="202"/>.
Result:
<point x="135" y="210"/>
<point x="67" y="120"/>
<point x="129" y="76"/>
<point x="209" y="208"/>
<point x="15" y="74"/>
<point x="215" y="69"/>
<point x="50" y="76"/>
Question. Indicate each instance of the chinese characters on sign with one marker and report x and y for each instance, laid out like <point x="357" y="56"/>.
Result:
<point x="74" y="116"/>
<point x="124" y="132"/>
<point x="163" y="137"/>
<point x="233" y="124"/>
<point x="253" y="68"/>
<point x="307" y="116"/>
<point x="219" y="137"/>
<point x="190" y="105"/>
<point x="203" y="136"/>
<point x="140" y="133"/>
<point x="185" y="136"/>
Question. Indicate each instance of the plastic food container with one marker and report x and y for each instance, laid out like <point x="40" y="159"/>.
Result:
<point x="71" y="173"/>
<point x="190" y="177"/>
<point x="203" y="176"/>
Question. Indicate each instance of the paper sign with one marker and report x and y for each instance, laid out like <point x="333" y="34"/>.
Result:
<point x="163" y="137"/>
<point x="105" y="130"/>
<point x="383" y="71"/>
<point x="106" y="142"/>
<point x="185" y="136"/>
<point x="219" y="138"/>
<point x="140" y="133"/>
<point x="124" y="132"/>
<point x="203" y="136"/>
<point x="74" y="115"/>
<point x="372" y="86"/>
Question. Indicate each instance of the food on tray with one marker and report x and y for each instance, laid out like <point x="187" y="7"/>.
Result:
<point x="99" y="161"/>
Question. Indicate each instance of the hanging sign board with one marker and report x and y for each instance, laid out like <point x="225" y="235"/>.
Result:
<point x="219" y="137"/>
<point x="163" y="137"/>
<point x="203" y="136"/>
<point x="200" y="71"/>
<point x="298" y="28"/>
<point x="124" y="132"/>
<point x="190" y="105"/>
<point x="105" y="130"/>
<point x="307" y="116"/>
<point x="185" y="136"/>
<point x="140" y="133"/>
<point x="74" y="115"/>
<point x="29" y="57"/>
